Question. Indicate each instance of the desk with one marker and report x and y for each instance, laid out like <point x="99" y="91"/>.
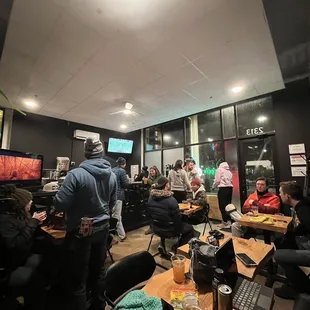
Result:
<point x="280" y="223"/>
<point x="161" y="285"/>
<point x="191" y="210"/>
<point x="261" y="253"/>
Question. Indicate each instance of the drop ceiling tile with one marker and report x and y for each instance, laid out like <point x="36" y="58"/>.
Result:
<point x="144" y="95"/>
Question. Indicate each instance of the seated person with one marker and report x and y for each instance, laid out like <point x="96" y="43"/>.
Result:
<point x="17" y="234"/>
<point x="164" y="208"/>
<point x="262" y="199"/>
<point x="298" y="232"/>
<point x="197" y="196"/>
<point x="143" y="174"/>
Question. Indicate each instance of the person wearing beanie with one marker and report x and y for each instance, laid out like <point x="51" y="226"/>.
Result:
<point x="197" y="196"/>
<point x="87" y="196"/>
<point x="122" y="183"/>
<point x="164" y="208"/>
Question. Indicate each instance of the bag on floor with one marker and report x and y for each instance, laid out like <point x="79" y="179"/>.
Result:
<point x="203" y="261"/>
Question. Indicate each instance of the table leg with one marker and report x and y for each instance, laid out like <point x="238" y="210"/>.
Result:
<point x="267" y="236"/>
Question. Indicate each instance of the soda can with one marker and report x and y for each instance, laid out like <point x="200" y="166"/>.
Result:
<point x="224" y="297"/>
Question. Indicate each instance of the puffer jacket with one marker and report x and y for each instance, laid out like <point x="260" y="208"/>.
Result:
<point x="198" y="198"/>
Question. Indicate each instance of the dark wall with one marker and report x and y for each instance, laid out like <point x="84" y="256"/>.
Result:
<point x="292" y="123"/>
<point x="53" y="137"/>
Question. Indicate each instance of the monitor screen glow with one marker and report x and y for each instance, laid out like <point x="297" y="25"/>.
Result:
<point x="120" y="146"/>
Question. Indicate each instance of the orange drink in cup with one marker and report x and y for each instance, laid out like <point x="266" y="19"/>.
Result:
<point x="178" y="264"/>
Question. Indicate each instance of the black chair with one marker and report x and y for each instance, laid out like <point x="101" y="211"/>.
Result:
<point x="112" y="231"/>
<point x="157" y="226"/>
<point x="302" y="302"/>
<point x="200" y="217"/>
<point x="126" y="274"/>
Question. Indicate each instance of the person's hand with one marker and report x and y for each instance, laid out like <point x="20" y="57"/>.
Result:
<point x="41" y="217"/>
<point x="251" y="201"/>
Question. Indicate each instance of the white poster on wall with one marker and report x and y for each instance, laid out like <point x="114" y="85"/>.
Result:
<point x="299" y="171"/>
<point x="297" y="148"/>
<point x="298" y="160"/>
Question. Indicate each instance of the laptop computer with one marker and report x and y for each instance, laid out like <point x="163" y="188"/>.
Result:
<point x="247" y="295"/>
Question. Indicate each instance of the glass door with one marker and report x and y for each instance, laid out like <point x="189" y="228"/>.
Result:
<point x="256" y="160"/>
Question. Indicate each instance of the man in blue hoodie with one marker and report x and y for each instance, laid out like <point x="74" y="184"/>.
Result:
<point x="87" y="197"/>
<point x="122" y="183"/>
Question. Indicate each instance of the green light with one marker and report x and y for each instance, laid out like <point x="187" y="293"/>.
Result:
<point x="209" y="171"/>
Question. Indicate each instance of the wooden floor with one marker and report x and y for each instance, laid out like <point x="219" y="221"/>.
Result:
<point x="137" y="241"/>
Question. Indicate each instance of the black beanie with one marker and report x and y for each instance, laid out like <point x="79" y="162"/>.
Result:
<point x="93" y="148"/>
<point x="121" y="161"/>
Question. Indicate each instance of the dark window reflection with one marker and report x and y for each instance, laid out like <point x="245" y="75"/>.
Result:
<point x="204" y="127"/>
<point x="153" y="138"/>
<point x="255" y="117"/>
<point x="228" y="122"/>
<point x="173" y="133"/>
<point x="207" y="157"/>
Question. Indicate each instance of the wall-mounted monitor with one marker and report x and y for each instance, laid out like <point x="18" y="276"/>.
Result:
<point x="120" y="146"/>
<point x="20" y="168"/>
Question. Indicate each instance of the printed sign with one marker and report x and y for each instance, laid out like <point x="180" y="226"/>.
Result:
<point x="298" y="160"/>
<point x="297" y="148"/>
<point x="299" y="171"/>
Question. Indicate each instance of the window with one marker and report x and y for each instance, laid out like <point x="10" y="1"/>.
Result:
<point x="255" y="117"/>
<point x="173" y="133"/>
<point x="207" y="157"/>
<point x="170" y="157"/>
<point x="228" y="122"/>
<point x="153" y="159"/>
<point x="204" y="127"/>
<point x="152" y="138"/>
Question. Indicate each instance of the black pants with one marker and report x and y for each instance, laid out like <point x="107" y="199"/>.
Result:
<point x="188" y="232"/>
<point x="180" y="196"/>
<point x="224" y="196"/>
<point x="84" y="265"/>
<point x="289" y="260"/>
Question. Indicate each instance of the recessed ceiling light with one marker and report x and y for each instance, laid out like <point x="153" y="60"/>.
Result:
<point x="237" y="89"/>
<point x="127" y="112"/>
<point x="123" y="126"/>
<point x="176" y="142"/>
<point x="167" y="137"/>
<point x="30" y="104"/>
<point x="262" y="118"/>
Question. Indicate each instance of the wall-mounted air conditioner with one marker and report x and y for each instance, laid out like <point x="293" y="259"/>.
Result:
<point x="82" y="135"/>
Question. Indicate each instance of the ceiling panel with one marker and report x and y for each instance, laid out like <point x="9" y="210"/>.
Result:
<point x="82" y="60"/>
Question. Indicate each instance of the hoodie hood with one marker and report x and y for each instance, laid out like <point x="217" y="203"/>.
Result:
<point x="99" y="168"/>
<point x="158" y="194"/>
<point x="224" y="165"/>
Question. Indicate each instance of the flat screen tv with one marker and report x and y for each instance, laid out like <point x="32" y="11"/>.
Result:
<point x="20" y="168"/>
<point x="120" y="146"/>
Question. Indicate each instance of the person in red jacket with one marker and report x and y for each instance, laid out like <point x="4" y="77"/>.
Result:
<point x="262" y="199"/>
<point x="265" y="201"/>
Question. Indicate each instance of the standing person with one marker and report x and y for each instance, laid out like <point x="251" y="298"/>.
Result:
<point x="223" y="180"/>
<point x="192" y="172"/>
<point x="178" y="182"/>
<point x="122" y="183"/>
<point x="143" y="174"/>
<point x="87" y="195"/>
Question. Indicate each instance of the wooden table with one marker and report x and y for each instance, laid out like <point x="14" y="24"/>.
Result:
<point x="261" y="253"/>
<point x="57" y="236"/>
<point x="161" y="285"/>
<point x="183" y="208"/>
<point x="280" y="223"/>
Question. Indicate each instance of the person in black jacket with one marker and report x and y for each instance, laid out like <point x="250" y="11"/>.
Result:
<point x="122" y="183"/>
<point x="164" y="208"/>
<point x="143" y="174"/>
<point x="293" y="250"/>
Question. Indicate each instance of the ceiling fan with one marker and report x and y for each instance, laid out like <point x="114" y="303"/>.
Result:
<point x="127" y="110"/>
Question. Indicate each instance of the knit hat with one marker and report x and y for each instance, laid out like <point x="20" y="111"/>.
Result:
<point x="196" y="181"/>
<point x="161" y="182"/>
<point x="22" y="196"/>
<point x="121" y="161"/>
<point x="145" y="168"/>
<point x="93" y="148"/>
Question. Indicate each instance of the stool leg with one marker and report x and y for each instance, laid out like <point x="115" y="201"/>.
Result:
<point x="204" y="228"/>
<point x="150" y="243"/>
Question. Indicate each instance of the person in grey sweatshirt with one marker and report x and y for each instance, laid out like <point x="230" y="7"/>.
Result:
<point x="178" y="182"/>
<point x="87" y="197"/>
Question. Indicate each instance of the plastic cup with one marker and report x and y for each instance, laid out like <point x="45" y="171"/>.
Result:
<point x="178" y="264"/>
<point x="255" y="210"/>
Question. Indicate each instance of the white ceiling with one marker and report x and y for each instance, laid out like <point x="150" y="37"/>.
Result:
<point x="83" y="59"/>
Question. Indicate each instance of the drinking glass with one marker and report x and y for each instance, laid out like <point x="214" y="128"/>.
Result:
<point x="255" y="210"/>
<point x="178" y="264"/>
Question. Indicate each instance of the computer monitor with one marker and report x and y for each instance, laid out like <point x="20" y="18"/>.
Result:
<point x="20" y="168"/>
<point x="225" y="256"/>
<point x="120" y="146"/>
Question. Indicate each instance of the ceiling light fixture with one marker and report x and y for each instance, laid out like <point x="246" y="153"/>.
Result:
<point x="127" y="112"/>
<point x="210" y="140"/>
<point x="262" y="118"/>
<point x="237" y="89"/>
<point x="30" y="104"/>
<point x="123" y="126"/>
<point x="167" y="137"/>
<point x="176" y="143"/>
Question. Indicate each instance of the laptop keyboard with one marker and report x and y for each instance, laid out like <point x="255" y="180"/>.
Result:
<point x="246" y="295"/>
